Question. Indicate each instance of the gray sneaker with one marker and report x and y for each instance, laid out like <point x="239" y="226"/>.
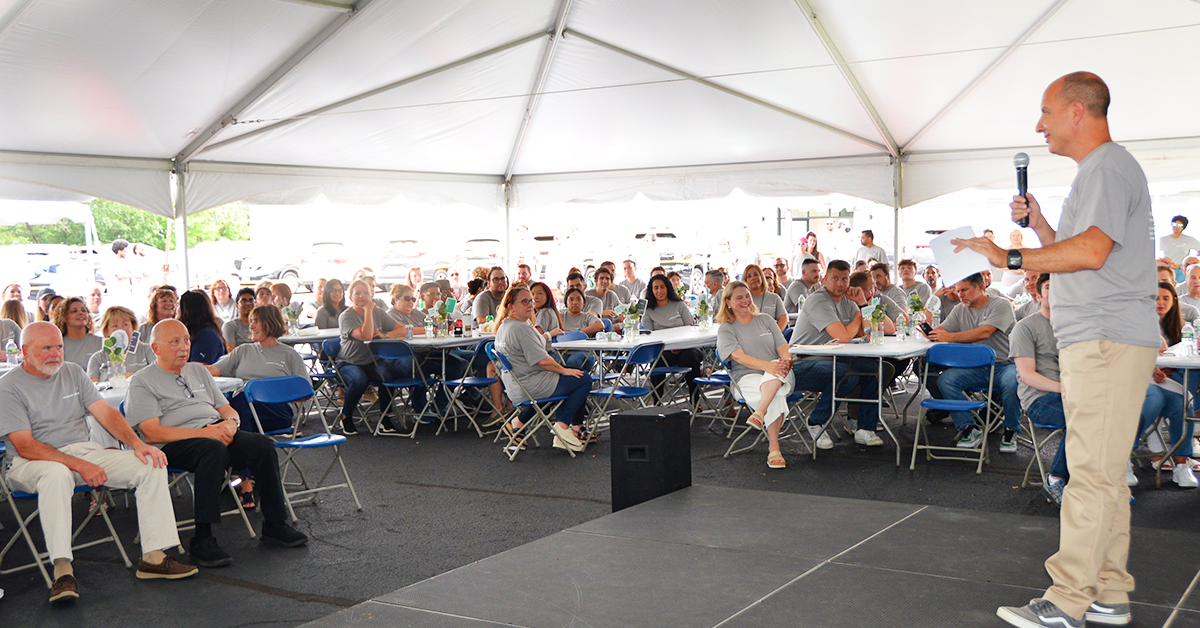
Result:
<point x="1038" y="613"/>
<point x="1054" y="491"/>
<point x="1109" y="614"/>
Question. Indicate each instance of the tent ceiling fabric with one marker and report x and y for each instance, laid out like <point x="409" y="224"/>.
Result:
<point x="674" y="98"/>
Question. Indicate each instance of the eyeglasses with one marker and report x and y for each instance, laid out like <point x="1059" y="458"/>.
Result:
<point x="245" y="300"/>
<point x="180" y="381"/>
<point x="525" y="301"/>
<point x="500" y="279"/>
<point x="221" y="288"/>
<point x="1177" y="224"/>
<point x="780" y="265"/>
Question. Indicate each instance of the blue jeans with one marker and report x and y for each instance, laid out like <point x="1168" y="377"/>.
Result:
<point x="582" y="360"/>
<point x="358" y="376"/>
<point x="1162" y="402"/>
<point x="575" y="389"/>
<point x="952" y="382"/>
<point x="818" y="376"/>
<point x="1047" y="411"/>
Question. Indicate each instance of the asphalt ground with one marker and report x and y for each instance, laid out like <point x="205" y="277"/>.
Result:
<point x="436" y="503"/>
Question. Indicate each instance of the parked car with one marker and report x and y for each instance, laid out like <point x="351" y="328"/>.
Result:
<point x="329" y="260"/>
<point x="253" y="269"/>
<point x="402" y="255"/>
<point x="479" y="252"/>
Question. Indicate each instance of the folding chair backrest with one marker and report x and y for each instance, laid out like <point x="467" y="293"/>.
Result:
<point x="787" y="335"/>
<point x="391" y="349"/>
<point x="569" y="336"/>
<point x="332" y="347"/>
<point x="965" y="356"/>
<point x="278" y="389"/>
<point x="504" y="363"/>
<point x="607" y="325"/>
<point x="645" y="354"/>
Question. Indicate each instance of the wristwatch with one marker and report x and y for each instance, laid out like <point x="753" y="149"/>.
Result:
<point x="1014" y="259"/>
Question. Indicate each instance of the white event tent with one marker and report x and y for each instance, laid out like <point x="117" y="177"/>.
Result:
<point x="177" y="106"/>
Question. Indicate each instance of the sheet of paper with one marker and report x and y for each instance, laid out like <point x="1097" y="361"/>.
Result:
<point x="954" y="267"/>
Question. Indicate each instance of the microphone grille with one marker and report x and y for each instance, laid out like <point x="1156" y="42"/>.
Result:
<point x="1021" y="160"/>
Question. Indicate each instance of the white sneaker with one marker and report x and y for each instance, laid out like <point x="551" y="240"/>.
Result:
<point x="867" y="438"/>
<point x="1183" y="476"/>
<point x="823" y="441"/>
<point x="1130" y="478"/>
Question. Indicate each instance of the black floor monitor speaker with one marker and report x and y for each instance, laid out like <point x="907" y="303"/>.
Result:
<point x="651" y="454"/>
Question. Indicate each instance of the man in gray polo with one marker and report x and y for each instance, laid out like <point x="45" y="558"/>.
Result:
<point x="177" y="404"/>
<point x="1102" y="311"/>
<point x="807" y="283"/>
<point x="43" y="405"/>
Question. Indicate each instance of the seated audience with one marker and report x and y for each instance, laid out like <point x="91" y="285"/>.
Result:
<point x="379" y="302"/>
<point x="658" y="270"/>
<point x="223" y="301"/>
<point x="281" y="297"/>
<point x="45" y="304"/>
<point x="676" y="280"/>
<point x="95" y="300"/>
<point x="524" y="273"/>
<point x="123" y="318"/>
<point x="1192" y="284"/>
<point x="881" y="274"/>
<point x="714" y="284"/>
<point x="466" y="306"/>
<point x="236" y="331"/>
<point x="665" y="310"/>
<point x="404" y="310"/>
<point x="1034" y="350"/>
<point x="607" y="296"/>
<point x="163" y="306"/>
<point x="907" y="269"/>
<point x="988" y="320"/>
<point x="771" y="282"/>
<point x="623" y="295"/>
<point x="335" y="303"/>
<point x="1035" y="303"/>
<point x="486" y="302"/>
<point x="43" y="409"/>
<point x="356" y="365"/>
<point x="179" y="405"/>
<point x="195" y="312"/>
<point x="631" y="283"/>
<point x="807" y="283"/>
<point x="73" y="320"/>
<point x="590" y="304"/>
<point x="1164" y="397"/>
<point x="415" y="278"/>
<point x="16" y="291"/>
<point x="760" y="363"/>
<point x="545" y="319"/>
<point x="12" y="321"/>
<point x="766" y="301"/>
<point x="540" y="375"/>
<point x="833" y="312"/>
<point x="781" y="273"/>
<point x="263" y="294"/>
<point x="578" y="319"/>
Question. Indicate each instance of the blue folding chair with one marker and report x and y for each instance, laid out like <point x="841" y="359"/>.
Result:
<point x="324" y="380"/>
<point x="570" y="336"/>
<point x="953" y="355"/>
<point x="542" y="408"/>
<point x="640" y="359"/>
<point x="608" y="326"/>
<point x="398" y="350"/>
<point x="41" y="559"/>
<point x="457" y="388"/>
<point x="294" y="389"/>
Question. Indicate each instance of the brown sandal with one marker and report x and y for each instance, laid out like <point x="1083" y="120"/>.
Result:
<point x="755" y="421"/>
<point x="775" y="460"/>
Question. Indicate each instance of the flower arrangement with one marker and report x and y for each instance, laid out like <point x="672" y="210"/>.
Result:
<point x="681" y="290"/>
<point x="292" y="314"/>
<point x="702" y="308"/>
<point x="915" y="304"/>
<point x="115" y="346"/>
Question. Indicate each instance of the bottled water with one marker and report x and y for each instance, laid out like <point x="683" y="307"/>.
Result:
<point x="1195" y="346"/>
<point x="1189" y="339"/>
<point x="12" y="356"/>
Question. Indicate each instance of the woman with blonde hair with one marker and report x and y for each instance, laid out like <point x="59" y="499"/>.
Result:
<point x="114" y="318"/>
<point x="164" y="304"/>
<point x="760" y="363"/>
<point x="73" y="319"/>
<point x="766" y="301"/>
<point x="222" y="299"/>
<point x="12" y="321"/>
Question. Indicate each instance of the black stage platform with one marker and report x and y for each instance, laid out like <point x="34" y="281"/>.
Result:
<point x="736" y="558"/>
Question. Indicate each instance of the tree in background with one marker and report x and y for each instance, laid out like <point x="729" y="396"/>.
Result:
<point x="114" y="220"/>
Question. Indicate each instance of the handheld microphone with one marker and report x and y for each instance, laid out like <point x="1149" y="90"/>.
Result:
<point x="1021" y="161"/>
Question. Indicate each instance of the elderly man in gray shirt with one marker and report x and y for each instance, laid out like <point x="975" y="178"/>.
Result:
<point x="43" y="406"/>
<point x="179" y="405"/>
<point x="980" y="319"/>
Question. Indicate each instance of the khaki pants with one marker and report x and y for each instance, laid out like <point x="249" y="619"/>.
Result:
<point x="54" y="484"/>
<point x="1104" y="384"/>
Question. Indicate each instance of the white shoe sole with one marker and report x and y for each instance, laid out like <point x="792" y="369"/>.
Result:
<point x="1108" y="620"/>
<point x="559" y="444"/>
<point x="1016" y="620"/>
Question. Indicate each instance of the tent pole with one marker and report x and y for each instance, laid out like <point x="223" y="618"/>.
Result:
<point x="507" y="222"/>
<point x="897" y="186"/>
<point x="181" y="233"/>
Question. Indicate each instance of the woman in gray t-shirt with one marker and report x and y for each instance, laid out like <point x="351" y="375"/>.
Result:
<point x="75" y="322"/>
<point x="765" y="301"/>
<point x="333" y="305"/>
<point x="355" y="363"/>
<point x="118" y="317"/>
<point x="404" y="311"/>
<point x="761" y="363"/>
<point x="664" y="310"/>
<point x="536" y="375"/>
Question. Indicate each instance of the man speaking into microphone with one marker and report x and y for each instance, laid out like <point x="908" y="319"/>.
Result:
<point x="1102" y="312"/>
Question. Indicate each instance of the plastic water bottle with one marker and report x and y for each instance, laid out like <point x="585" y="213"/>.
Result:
<point x="1195" y="350"/>
<point x="1189" y="340"/>
<point x="12" y="356"/>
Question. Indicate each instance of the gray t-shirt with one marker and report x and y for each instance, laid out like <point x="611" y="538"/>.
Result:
<point x="873" y="252"/>
<point x="353" y="350"/>
<point x="623" y="293"/>
<point x="636" y="287"/>
<point x="797" y="292"/>
<point x="770" y="304"/>
<point x="416" y="317"/>
<point x="609" y="301"/>
<point x="673" y="314"/>
<point x="141" y="357"/>
<point x="155" y="392"/>
<point x="1115" y="302"/>
<point x="923" y="290"/>
<point x="1027" y="309"/>
<point x="1033" y="337"/>
<point x="80" y="350"/>
<point x="898" y="296"/>
<point x="325" y="320"/>
<point x="237" y="332"/>
<point x="254" y="361"/>
<point x="485" y="304"/>
<point x="760" y="338"/>
<point x="9" y="330"/>
<point x="577" y="323"/>
<point x="1177" y="248"/>
<point x="547" y="319"/>
<point x="890" y="307"/>
<point x="592" y="304"/>
<point x="997" y="312"/>
<point x="524" y="348"/>
<point x="1184" y="299"/>
<point x="1188" y="313"/>
<point x="819" y="312"/>
<point x="52" y="408"/>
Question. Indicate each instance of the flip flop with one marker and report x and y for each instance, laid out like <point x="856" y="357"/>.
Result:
<point x="775" y="460"/>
